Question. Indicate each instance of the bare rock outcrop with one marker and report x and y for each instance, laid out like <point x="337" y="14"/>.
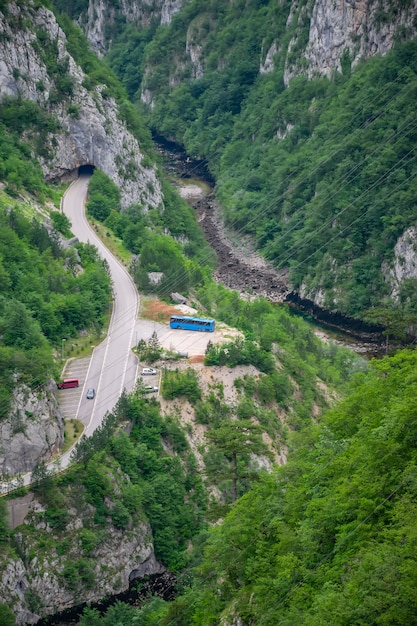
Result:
<point x="100" y="15"/>
<point x="41" y="582"/>
<point x="89" y="129"/>
<point x="32" y="432"/>
<point x="404" y="264"/>
<point x="347" y="29"/>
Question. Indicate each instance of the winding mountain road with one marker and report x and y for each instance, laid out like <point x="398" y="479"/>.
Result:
<point x="113" y="366"/>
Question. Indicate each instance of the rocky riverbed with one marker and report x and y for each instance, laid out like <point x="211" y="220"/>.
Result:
<point x="241" y="268"/>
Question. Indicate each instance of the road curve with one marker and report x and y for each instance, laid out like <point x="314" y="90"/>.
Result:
<point x="113" y="366"/>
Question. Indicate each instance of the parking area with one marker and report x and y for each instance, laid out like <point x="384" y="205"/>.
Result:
<point x="188" y="342"/>
<point x="191" y="342"/>
<point x="69" y="399"/>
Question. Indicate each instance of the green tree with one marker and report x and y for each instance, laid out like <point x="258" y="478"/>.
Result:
<point x="160" y="253"/>
<point x="90" y="617"/>
<point x="18" y="328"/>
<point x="120" y="515"/>
<point x="395" y="320"/>
<point x="101" y="184"/>
<point x="154" y="349"/>
<point x="7" y="617"/>
<point x="177" y="383"/>
<point x="4" y="523"/>
<point x="99" y="206"/>
<point x="41" y="480"/>
<point x="234" y="438"/>
<point x="61" y="223"/>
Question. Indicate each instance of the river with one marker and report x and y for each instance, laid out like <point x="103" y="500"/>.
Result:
<point x="241" y="268"/>
<point x="140" y="589"/>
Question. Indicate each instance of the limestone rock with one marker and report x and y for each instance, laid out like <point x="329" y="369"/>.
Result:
<point x="99" y="15"/>
<point x="33" y="431"/>
<point x="404" y="262"/>
<point x="35" y="584"/>
<point x="91" y="131"/>
<point x="358" y="29"/>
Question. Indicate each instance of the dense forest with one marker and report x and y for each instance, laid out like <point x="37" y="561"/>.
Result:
<point x="320" y="172"/>
<point x="44" y="297"/>
<point x="329" y="538"/>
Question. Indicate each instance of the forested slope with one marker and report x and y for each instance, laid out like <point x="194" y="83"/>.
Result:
<point x="328" y="538"/>
<point x="320" y="170"/>
<point x="48" y="291"/>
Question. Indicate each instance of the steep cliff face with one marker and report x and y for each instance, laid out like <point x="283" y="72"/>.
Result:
<point x="91" y="131"/>
<point x="58" y="570"/>
<point x="404" y="265"/>
<point x="362" y="28"/>
<point x="327" y="35"/>
<point x="33" y="432"/>
<point x="101" y="16"/>
<point x="346" y="31"/>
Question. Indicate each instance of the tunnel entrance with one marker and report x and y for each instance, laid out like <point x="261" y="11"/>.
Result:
<point x="86" y="169"/>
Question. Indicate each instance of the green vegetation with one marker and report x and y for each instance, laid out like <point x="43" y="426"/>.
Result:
<point x="120" y="480"/>
<point x="57" y="67"/>
<point x="321" y="173"/>
<point x="149" y="351"/>
<point x="18" y="169"/>
<point x="235" y="438"/>
<point x="7" y="617"/>
<point x="61" y="223"/>
<point x="182" y="265"/>
<point x="329" y="538"/>
<point x="272" y="332"/>
<point x="239" y="352"/>
<point x="176" y="383"/>
<point x="42" y="299"/>
<point x="99" y="73"/>
<point x="103" y="196"/>
<point x="4" y="528"/>
<point x="134" y="40"/>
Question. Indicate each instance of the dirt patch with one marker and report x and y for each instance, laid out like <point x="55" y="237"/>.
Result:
<point x="158" y="311"/>
<point x="197" y="358"/>
<point x="221" y="381"/>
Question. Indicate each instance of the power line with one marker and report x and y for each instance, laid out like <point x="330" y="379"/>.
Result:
<point x="398" y="133"/>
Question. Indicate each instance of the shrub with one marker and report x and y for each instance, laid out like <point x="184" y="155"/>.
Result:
<point x="176" y="383"/>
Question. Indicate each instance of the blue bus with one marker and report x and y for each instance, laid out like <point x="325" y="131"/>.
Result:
<point x="192" y="323"/>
